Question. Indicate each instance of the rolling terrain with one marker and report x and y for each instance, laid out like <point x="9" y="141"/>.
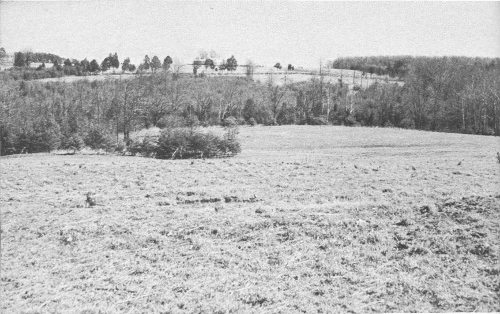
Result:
<point x="305" y="219"/>
<point x="349" y="78"/>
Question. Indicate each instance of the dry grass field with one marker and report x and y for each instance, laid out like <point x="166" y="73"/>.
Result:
<point x="306" y="219"/>
<point x="261" y="75"/>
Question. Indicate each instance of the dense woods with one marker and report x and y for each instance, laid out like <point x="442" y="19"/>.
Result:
<point x="439" y="94"/>
<point x="399" y="66"/>
<point x="22" y="59"/>
<point x="394" y="66"/>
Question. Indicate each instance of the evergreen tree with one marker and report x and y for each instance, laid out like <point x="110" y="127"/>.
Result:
<point x="155" y="64"/>
<point x="19" y="59"/>
<point x="115" y="63"/>
<point x="147" y="63"/>
<point x="209" y="63"/>
<point x="57" y="66"/>
<point x="106" y="64"/>
<point x="28" y="58"/>
<point x="67" y="62"/>
<point x="167" y="62"/>
<point x="94" y="66"/>
<point x="3" y="55"/>
<point x="85" y="64"/>
<point x="232" y="64"/>
<point x="126" y="64"/>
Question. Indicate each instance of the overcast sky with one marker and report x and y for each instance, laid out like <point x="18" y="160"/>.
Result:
<point x="300" y="33"/>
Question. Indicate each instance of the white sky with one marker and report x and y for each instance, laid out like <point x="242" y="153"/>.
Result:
<point x="267" y="32"/>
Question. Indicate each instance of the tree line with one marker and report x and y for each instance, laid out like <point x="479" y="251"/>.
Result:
<point x="394" y="66"/>
<point x="439" y="94"/>
<point x="397" y="66"/>
<point x="21" y="69"/>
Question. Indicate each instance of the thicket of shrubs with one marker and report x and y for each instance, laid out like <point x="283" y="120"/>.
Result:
<point x="29" y="74"/>
<point x="46" y="136"/>
<point x="172" y="143"/>
<point x="187" y="143"/>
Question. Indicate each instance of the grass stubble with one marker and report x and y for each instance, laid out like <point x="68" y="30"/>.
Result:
<point x="306" y="219"/>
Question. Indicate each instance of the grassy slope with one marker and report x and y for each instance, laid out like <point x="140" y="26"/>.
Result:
<point x="261" y="74"/>
<point x="331" y="218"/>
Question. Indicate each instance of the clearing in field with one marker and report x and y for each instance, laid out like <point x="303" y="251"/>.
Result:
<point x="306" y="219"/>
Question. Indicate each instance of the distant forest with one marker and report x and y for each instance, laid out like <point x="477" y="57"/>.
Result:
<point x="399" y="66"/>
<point x="451" y="94"/>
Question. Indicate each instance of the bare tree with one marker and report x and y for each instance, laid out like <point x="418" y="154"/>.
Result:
<point x="276" y="96"/>
<point x="177" y="65"/>
<point x="228" y="98"/>
<point x="203" y="102"/>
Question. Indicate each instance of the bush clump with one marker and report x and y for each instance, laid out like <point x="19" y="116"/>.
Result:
<point x="230" y="122"/>
<point x="72" y="142"/>
<point x="147" y="147"/>
<point x="183" y="143"/>
<point x="44" y="135"/>
<point x="350" y="120"/>
<point x="252" y="122"/>
<point x="407" y="123"/>
<point x="98" y="138"/>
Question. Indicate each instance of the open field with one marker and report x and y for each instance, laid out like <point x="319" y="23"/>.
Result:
<point x="306" y="219"/>
<point x="349" y="77"/>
